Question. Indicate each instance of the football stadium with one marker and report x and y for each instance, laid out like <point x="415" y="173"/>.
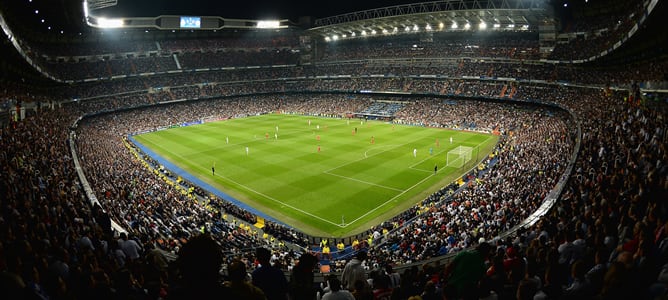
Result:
<point x="452" y="149"/>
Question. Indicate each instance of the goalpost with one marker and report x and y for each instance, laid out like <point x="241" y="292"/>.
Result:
<point x="459" y="156"/>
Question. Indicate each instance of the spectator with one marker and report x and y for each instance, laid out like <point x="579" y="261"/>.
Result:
<point x="130" y="247"/>
<point x="579" y="287"/>
<point x="301" y="285"/>
<point x="268" y="278"/>
<point x="199" y="264"/>
<point x="381" y="287"/>
<point x="238" y="282"/>
<point x="465" y="271"/>
<point x="354" y="270"/>
<point x="362" y="290"/>
<point x="395" y="278"/>
<point x="431" y="292"/>
<point x="335" y="291"/>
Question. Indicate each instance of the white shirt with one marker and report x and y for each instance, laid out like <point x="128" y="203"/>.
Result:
<point x="338" y="295"/>
<point x="130" y="247"/>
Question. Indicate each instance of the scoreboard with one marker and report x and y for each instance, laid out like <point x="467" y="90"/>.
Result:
<point x="191" y="22"/>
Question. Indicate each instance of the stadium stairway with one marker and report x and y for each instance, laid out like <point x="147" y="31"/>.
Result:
<point x="503" y="90"/>
<point x="512" y="92"/>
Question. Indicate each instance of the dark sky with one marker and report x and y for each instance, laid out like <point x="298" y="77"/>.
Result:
<point x="263" y="9"/>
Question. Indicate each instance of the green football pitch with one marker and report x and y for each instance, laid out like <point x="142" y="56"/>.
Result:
<point x="324" y="176"/>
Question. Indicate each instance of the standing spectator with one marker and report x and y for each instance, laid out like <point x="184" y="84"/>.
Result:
<point x="395" y="278"/>
<point x="465" y="271"/>
<point x="579" y="288"/>
<point x="301" y="279"/>
<point x="130" y="247"/>
<point x="268" y="278"/>
<point x="353" y="270"/>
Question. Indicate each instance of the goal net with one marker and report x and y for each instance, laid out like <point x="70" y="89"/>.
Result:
<point x="459" y="156"/>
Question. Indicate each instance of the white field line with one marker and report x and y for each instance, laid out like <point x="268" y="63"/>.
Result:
<point x="428" y="157"/>
<point x="273" y="199"/>
<point x="263" y="195"/>
<point x="392" y="199"/>
<point x="247" y="141"/>
<point x="364" y="182"/>
<point x="401" y="192"/>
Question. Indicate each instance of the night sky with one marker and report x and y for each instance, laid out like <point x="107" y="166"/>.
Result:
<point x="254" y="10"/>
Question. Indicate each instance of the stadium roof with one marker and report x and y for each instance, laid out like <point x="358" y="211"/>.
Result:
<point x="444" y="15"/>
<point x="334" y="16"/>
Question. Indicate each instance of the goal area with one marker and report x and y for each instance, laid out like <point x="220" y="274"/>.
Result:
<point x="458" y="157"/>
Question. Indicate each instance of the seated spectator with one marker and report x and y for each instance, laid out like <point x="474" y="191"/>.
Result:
<point x="381" y="286"/>
<point x="335" y="291"/>
<point x="238" y="283"/>
<point x="198" y="266"/>
<point x="362" y="290"/>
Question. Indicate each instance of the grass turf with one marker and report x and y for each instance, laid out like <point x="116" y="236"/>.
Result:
<point x="329" y="182"/>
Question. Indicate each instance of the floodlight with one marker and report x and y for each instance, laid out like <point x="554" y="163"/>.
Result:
<point x="335" y="37"/>
<point x="428" y="27"/>
<point x="454" y="25"/>
<point x="482" y="25"/>
<point x="344" y="36"/>
<point x="85" y="9"/>
<point x="373" y="31"/>
<point x="268" y="24"/>
<point x="440" y="25"/>
<point x="327" y="39"/>
<point x="363" y="32"/>
<point x="407" y="29"/>
<point x="109" y="23"/>
<point x="415" y="27"/>
<point x="497" y="25"/>
<point x="467" y="26"/>
<point x="352" y="34"/>
<point x="511" y="25"/>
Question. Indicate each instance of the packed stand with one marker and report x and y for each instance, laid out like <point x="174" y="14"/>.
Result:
<point x="639" y="132"/>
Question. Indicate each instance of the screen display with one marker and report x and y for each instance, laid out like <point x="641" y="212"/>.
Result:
<point x="190" y="22"/>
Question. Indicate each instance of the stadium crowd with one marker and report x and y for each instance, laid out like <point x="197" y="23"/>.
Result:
<point x="592" y="33"/>
<point x="606" y="237"/>
<point x="610" y="218"/>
